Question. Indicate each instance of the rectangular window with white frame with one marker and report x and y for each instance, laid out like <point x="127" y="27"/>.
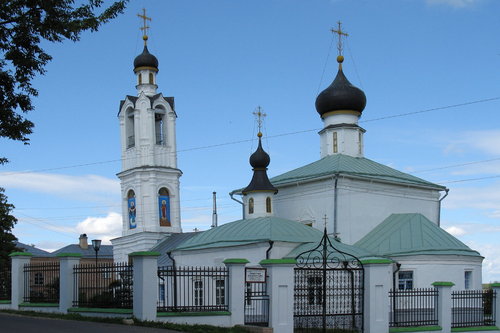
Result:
<point x="405" y="280"/>
<point x="220" y="292"/>
<point x="198" y="292"/>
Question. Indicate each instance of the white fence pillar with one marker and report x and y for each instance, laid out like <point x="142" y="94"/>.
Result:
<point x="496" y="303"/>
<point x="444" y="305"/>
<point x="19" y="259"/>
<point x="281" y="293"/>
<point x="145" y="284"/>
<point x="236" y="268"/>
<point x="378" y="281"/>
<point x="66" y="286"/>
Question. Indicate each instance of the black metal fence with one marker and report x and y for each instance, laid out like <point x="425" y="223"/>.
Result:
<point x="5" y="283"/>
<point x="41" y="282"/>
<point x="256" y="304"/>
<point x="193" y="289"/>
<point x="413" y="307"/>
<point x="473" y="308"/>
<point x="107" y="285"/>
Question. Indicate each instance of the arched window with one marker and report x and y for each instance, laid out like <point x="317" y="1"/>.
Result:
<point x="132" y="209"/>
<point x="151" y="78"/>
<point x="140" y="78"/>
<point x="250" y="206"/>
<point x="129" y="128"/>
<point x="268" y="204"/>
<point x="164" y="207"/>
<point x="160" y="128"/>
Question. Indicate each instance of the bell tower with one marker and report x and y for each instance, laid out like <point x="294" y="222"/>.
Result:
<point x="149" y="176"/>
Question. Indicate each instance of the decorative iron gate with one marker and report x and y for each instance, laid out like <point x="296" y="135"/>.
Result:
<point x="328" y="290"/>
<point x="256" y="297"/>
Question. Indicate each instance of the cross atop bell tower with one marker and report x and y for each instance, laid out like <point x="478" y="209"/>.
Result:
<point x="145" y="26"/>
<point x="340" y="34"/>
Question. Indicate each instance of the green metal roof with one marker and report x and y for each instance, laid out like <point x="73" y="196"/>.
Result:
<point x="412" y="234"/>
<point x="352" y="250"/>
<point x="251" y="231"/>
<point x="348" y="165"/>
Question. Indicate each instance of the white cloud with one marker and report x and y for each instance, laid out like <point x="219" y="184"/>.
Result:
<point x="455" y="231"/>
<point x="453" y="3"/>
<point x="470" y="228"/>
<point x="487" y="197"/>
<point x="104" y="228"/>
<point x="87" y="187"/>
<point x="487" y="141"/>
<point x="491" y="263"/>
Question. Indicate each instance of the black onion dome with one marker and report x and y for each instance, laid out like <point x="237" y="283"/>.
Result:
<point x="145" y="59"/>
<point x="340" y="95"/>
<point x="259" y="161"/>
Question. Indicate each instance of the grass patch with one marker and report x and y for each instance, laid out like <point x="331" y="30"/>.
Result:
<point x="170" y="326"/>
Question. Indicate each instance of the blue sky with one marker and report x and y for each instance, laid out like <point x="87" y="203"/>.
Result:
<point x="222" y="59"/>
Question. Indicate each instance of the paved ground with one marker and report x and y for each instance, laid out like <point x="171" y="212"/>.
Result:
<point x="11" y="323"/>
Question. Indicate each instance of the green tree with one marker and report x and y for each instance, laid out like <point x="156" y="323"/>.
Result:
<point x="24" y="24"/>
<point x="7" y="221"/>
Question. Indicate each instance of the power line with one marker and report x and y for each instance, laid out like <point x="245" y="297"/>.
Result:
<point x="269" y="137"/>
<point x="458" y="165"/>
<point x="433" y="109"/>
<point x="469" y="179"/>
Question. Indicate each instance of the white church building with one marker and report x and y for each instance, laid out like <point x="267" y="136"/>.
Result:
<point x="372" y="210"/>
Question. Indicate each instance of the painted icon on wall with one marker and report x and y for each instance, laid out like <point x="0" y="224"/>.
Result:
<point x="132" y="213"/>
<point x="164" y="210"/>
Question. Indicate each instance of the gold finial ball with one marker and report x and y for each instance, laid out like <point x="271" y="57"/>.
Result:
<point x="259" y="135"/>
<point x="145" y="38"/>
<point x="340" y="59"/>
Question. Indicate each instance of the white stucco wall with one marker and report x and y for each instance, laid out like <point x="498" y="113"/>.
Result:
<point x="362" y="204"/>
<point x="450" y="268"/>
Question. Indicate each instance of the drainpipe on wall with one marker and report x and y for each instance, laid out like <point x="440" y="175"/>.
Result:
<point x="271" y="243"/>
<point x="439" y="206"/>
<point x="398" y="266"/>
<point x="240" y="202"/>
<point x="335" y="230"/>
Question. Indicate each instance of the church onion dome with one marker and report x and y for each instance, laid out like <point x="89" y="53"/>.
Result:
<point x="259" y="161"/>
<point x="145" y="59"/>
<point x="341" y="95"/>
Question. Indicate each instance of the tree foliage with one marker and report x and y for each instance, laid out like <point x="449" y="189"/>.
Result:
<point x="24" y="24"/>
<point x="7" y="222"/>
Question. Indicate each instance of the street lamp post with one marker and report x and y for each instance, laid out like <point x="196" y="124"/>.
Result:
<point x="96" y="244"/>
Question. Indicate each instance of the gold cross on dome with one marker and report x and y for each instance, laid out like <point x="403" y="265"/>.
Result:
<point x="145" y="26"/>
<point x="259" y="117"/>
<point x="340" y="34"/>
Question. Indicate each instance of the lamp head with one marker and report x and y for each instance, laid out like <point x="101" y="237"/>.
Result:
<point x="96" y="244"/>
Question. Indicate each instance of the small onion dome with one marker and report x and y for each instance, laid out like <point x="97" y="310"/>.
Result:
<point x="259" y="161"/>
<point x="145" y="59"/>
<point x="341" y="95"/>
